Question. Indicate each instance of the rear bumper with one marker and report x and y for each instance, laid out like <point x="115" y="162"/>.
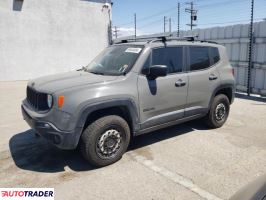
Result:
<point x="61" y="139"/>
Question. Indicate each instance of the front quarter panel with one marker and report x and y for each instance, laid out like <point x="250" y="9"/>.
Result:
<point x="80" y="99"/>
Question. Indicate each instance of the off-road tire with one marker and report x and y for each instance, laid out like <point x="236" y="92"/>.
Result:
<point x="211" y="119"/>
<point x="91" y="136"/>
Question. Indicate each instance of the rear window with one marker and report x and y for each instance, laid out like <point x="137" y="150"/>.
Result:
<point x="199" y="58"/>
<point x="215" y="56"/>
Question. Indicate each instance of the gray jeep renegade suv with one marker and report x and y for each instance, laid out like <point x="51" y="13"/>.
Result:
<point x="131" y="88"/>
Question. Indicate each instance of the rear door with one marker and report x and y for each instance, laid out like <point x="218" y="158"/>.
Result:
<point x="203" y="77"/>
<point x="164" y="99"/>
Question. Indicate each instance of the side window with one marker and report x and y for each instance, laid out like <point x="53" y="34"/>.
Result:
<point x="172" y="57"/>
<point x="199" y="58"/>
<point x="215" y="56"/>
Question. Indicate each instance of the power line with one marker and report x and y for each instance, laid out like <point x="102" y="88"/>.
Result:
<point x="157" y="14"/>
<point x="151" y="23"/>
<point x="218" y="16"/>
<point x="237" y="11"/>
<point x="153" y="20"/>
<point x="223" y="19"/>
<point x="227" y="3"/>
<point x="156" y="20"/>
<point x="228" y="22"/>
<point x="150" y="16"/>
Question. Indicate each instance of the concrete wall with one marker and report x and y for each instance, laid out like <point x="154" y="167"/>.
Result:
<point x="41" y="37"/>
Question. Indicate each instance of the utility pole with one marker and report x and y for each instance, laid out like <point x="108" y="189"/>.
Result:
<point x="110" y="33"/>
<point x="170" y="26"/>
<point x="164" y="24"/>
<point x="116" y="32"/>
<point x="178" y="19"/>
<point x="193" y="14"/>
<point x="250" y="55"/>
<point x="135" y="22"/>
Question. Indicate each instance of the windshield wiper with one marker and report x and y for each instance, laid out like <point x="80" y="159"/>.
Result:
<point x="98" y="73"/>
<point x="82" y="69"/>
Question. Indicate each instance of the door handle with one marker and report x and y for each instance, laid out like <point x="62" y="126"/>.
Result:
<point x="212" y="77"/>
<point x="180" y="83"/>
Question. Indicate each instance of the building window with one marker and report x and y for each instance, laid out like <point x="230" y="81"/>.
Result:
<point x="17" y="5"/>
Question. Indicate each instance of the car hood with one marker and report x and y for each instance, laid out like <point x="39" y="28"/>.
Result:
<point x="57" y="82"/>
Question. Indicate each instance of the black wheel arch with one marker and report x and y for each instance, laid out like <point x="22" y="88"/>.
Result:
<point x="125" y="108"/>
<point x="226" y="89"/>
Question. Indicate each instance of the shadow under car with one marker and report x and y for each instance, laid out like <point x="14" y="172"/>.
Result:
<point x="31" y="152"/>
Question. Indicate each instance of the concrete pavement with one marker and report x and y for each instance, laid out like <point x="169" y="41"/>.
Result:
<point x="182" y="162"/>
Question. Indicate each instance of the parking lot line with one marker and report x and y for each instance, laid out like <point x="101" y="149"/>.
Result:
<point x="176" y="178"/>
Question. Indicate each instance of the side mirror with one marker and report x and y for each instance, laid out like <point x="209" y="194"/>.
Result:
<point x="157" y="71"/>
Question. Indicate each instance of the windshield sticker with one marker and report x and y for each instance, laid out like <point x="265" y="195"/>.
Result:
<point x="133" y="50"/>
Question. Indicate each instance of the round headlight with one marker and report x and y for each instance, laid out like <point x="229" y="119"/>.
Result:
<point x="49" y="100"/>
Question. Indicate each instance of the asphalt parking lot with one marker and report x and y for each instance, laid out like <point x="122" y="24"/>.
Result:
<point x="182" y="162"/>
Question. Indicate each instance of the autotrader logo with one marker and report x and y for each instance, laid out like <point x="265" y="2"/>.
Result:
<point x="27" y="193"/>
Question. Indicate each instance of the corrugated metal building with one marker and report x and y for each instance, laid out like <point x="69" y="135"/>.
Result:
<point x="236" y="40"/>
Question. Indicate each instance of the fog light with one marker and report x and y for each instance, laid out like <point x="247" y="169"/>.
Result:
<point x="46" y="125"/>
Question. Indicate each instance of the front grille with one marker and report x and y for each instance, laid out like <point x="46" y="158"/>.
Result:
<point x="37" y="100"/>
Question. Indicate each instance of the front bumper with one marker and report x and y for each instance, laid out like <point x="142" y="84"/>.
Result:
<point x="61" y="139"/>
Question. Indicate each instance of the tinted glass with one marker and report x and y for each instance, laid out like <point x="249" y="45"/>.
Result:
<point x="215" y="55"/>
<point x="199" y="58"/>
<point x="172" y="57"/>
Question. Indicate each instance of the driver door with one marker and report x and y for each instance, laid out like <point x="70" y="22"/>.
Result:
<point x="164" y="99"/>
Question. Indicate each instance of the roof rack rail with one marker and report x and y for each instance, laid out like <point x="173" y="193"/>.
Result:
<point x="155" y="39"/>
<point x="208" y="41"/>
<point x="164" y="39"/>
<point x="139" y="39"/>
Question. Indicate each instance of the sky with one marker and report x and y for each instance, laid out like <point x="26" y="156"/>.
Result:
<point x="150" y="14"/>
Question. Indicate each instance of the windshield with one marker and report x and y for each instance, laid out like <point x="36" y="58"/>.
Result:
<point x="115" y="60"/>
